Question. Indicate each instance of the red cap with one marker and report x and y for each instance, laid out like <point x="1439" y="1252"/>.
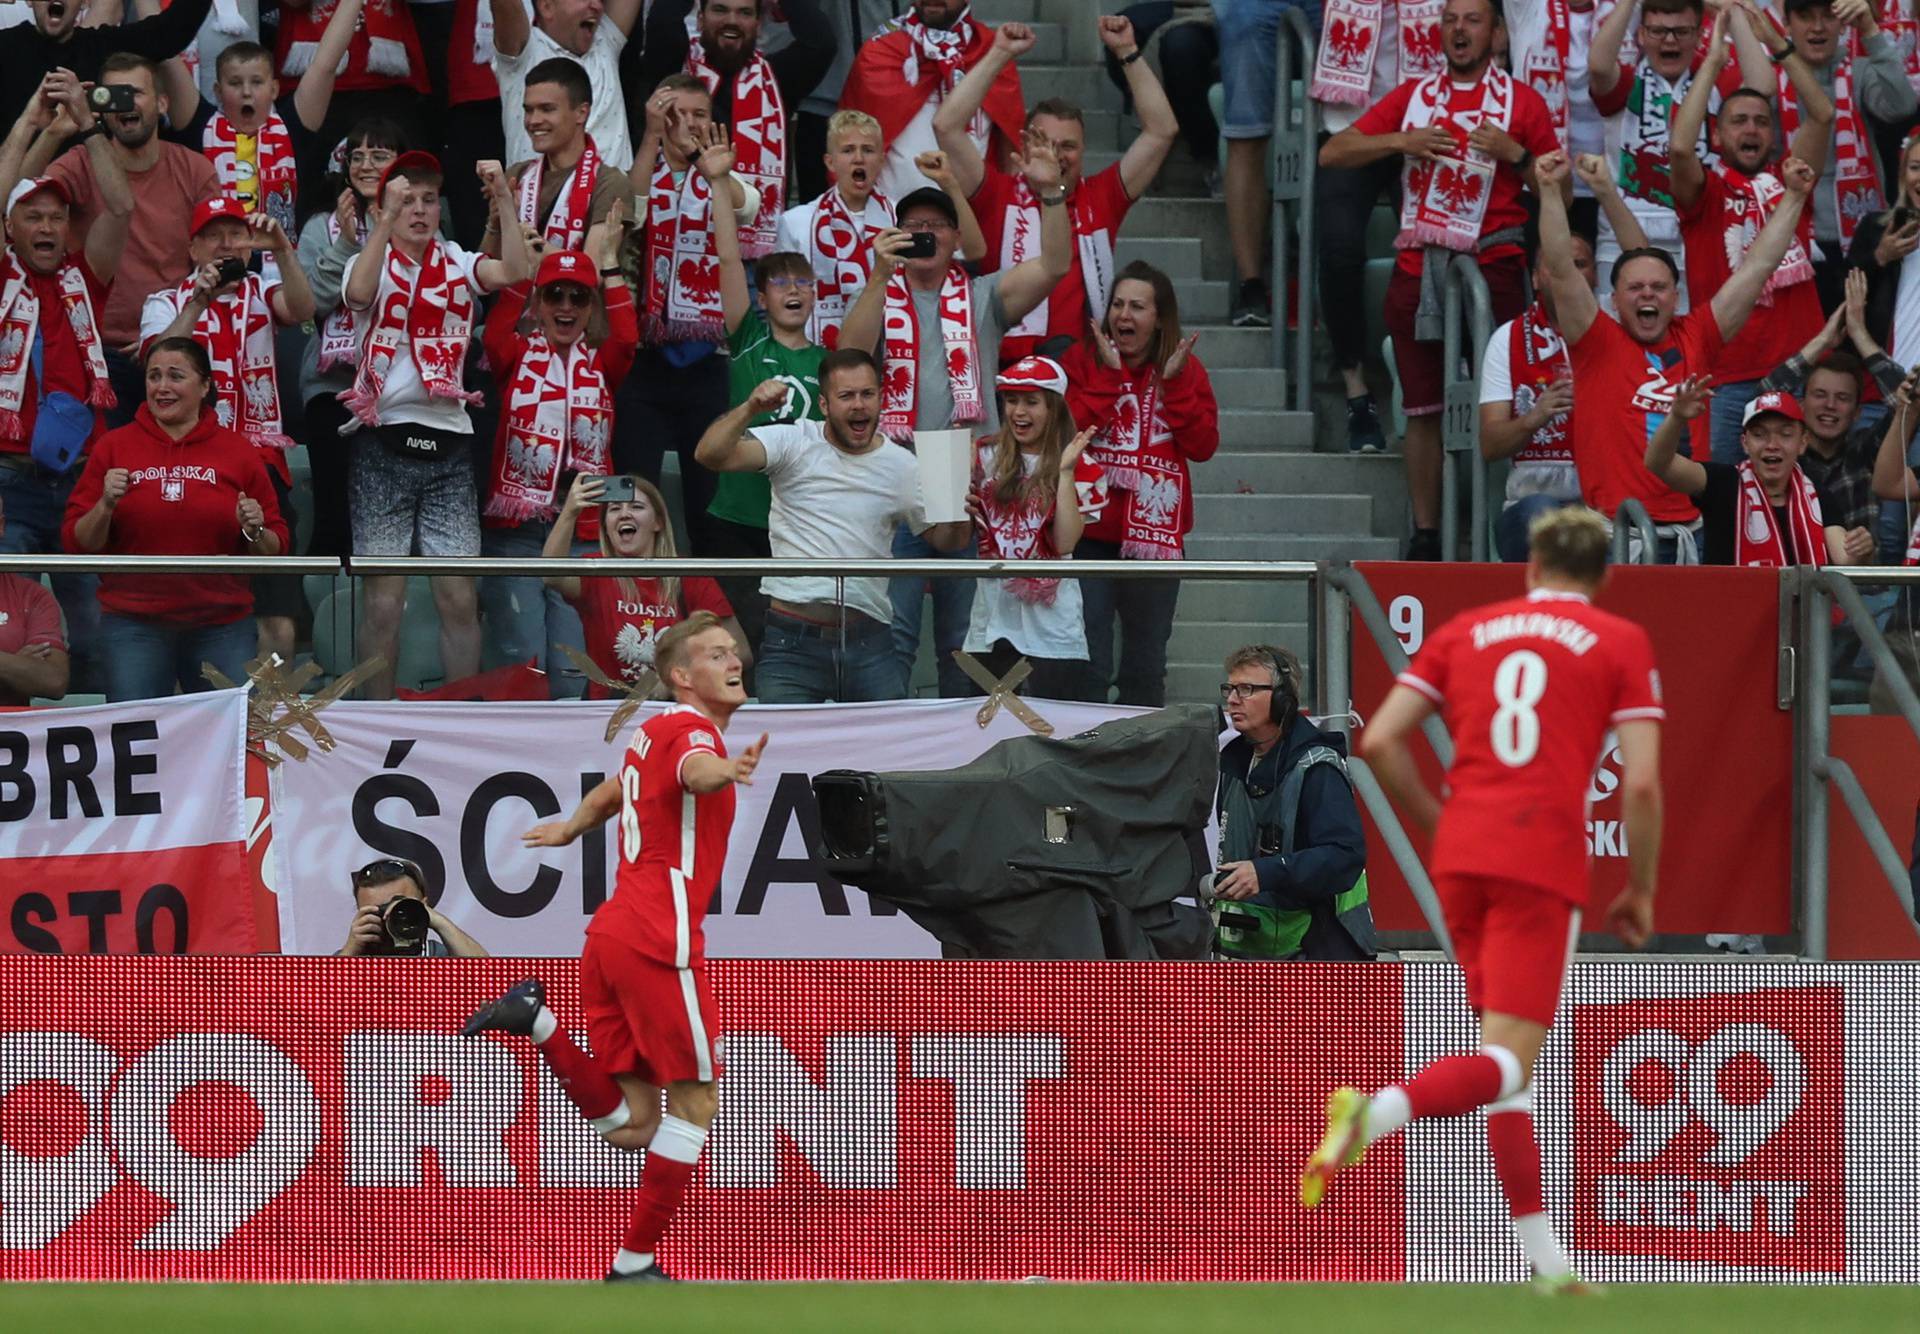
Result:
<point x="1033" y="373"/>
<point x="1772" y="401"/>
<point x="567" y="266"/>
<point x="33" y="186"/>
<point x="411" y="161"/>
<point x="212" y="210"/>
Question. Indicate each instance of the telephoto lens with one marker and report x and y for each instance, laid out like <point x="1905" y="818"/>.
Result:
<point x="406" y="921"/>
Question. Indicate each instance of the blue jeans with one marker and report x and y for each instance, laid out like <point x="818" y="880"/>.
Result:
<point x="1729" y="401"/>
<point x="801" y="663"/>
<point x="952" y="609"/>
<point x="1249" y="35"/>
<point x="523" y="618"/>
<point x="35" y="503"/>
<point x="151" y="658"/>
<point x="1510" y="529"/>
<point x="1145" y="610"/>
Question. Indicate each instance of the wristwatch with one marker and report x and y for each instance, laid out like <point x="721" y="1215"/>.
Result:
<point x="1128" y="60"/>
<point x="615" y="272"/>
<point x="1055" y="199"/>
<point x="1780" y="57"/>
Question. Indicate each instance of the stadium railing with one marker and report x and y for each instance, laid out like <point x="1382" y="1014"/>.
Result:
<point x="1296" y="151"/>
<point x="1629" y="521"/>
<point x="1469" y="324"/>
<point x="1820" y="591"/>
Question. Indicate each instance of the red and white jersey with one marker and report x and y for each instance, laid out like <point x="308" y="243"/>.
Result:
<point x="1529" y="689"/>
<point x="671" y="842"/>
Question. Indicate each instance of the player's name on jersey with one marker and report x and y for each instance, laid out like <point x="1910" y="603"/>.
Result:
<point x="1565" y="631"/>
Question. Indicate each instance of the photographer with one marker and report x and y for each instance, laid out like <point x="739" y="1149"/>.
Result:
<point x="1292" y="879"/>
<point x="393" y="919"/>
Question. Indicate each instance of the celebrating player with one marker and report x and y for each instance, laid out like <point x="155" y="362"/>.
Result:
<point x="643" y="975"/>
<point x="1529" y="689"/>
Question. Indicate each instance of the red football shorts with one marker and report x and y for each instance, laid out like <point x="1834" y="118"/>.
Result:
<point x="1513" y="942"/>
<point x="647" y="1018"/>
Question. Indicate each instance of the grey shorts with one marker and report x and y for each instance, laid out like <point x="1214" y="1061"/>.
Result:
<point x="411" y="507"/>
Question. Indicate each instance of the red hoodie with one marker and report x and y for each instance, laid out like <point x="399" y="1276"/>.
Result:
<point x="181" y="502"/>
<point x="1185" y="409"/>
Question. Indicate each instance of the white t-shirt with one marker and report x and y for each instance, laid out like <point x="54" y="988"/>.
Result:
<point x="608" y="121"/>
<point x="161" y="308"/>
<point x="404" y="397"/>
<point x="1903" y="345"/>
<point x="831" y="505"/>
<point x="1057" y="632"/>
<point x="1529" y="477"/>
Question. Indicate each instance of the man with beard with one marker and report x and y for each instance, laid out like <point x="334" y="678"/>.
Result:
<point x="563" y="195"/>
<point x="1723" y="206"/>
<point x="593" y="32"/>
<point x="753" y="94"/>
<point x="840" y="488"/>
<point x="901" y="77"/>
<point x="1866" y="88"/>
<point x="167" y="179"/>
<point x="1467" y="135"/>
<point x="1626" y="369"/>
<point x="1763" y="512"/>
<point x="55" y="40"/>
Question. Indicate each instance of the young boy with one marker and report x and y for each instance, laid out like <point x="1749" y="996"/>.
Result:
<point x="835" y="232"/>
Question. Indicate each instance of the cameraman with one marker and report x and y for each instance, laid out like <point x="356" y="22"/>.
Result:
<point x="379" y="928"/>
<point x="1292" y="880"/>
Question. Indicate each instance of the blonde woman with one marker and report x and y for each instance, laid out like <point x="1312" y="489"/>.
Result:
<point x="624" y="617"/>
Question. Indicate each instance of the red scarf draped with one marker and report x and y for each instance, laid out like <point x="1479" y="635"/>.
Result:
<point x="840" y="249"/>
<point x="1546" y="67"/>
<point x="1022" y="528"/>
<point x="1444" y="201"/>
<point x="428" y="310"/>
<point x="385" y="48"/>
<point x="1136" y="451"/>
<point x="559" y="410"/>
<point x="237" y="331"/>
<point x="759" y="139"/>
<point x="900" y="70"/>
<point x="1536" y="359"/>
<point x="1350" y="43"/>
<point x="1757" y="539"/>
<point x="682" y="271"/>
<point x="276" y="173"/>
<point x="900" y="340"/>
<point x="566" y="227"/>
<point x="337" y="341"/>
<point x="20" y="318"/>
<point x="1856" y="185"/>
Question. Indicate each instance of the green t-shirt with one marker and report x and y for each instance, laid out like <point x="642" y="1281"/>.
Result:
<point x="745" y="497"/>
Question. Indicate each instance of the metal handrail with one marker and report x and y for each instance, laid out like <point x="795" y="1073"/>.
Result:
<point x="1401" y="849"/>
<point x="1838" y="586"/>
<point x="1349" y="583"/>
<point x="680" y="566"/>
<point x="60" y="562"/>
<point x="1295" y="159"/>
<point x="1631" y="511"/>
<point x="1460" y="422"/>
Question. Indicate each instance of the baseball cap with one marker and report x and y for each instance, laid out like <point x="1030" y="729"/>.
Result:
<point x="566" y="266"/>
<point x="212" y="210"/>
<point x="408" y="164"/>
<point x="1772" y="401"/>
<point x="1033" y="373"/>
<point x="33" y="185"/>
<point x="928" y="197"/>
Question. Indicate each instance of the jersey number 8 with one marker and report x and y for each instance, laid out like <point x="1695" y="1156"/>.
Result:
<point x="1518" y="684"/>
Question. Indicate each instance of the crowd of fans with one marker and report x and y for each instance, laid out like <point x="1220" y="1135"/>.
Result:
<point x="786" y="251"/>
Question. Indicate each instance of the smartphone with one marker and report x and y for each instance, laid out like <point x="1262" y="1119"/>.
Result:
<point x="617" y="487"/>
<point x="232" y="271"/>
<point x="108" y="98"/>
<point x="1903" y="216"/>
<point x="920" y="245"/>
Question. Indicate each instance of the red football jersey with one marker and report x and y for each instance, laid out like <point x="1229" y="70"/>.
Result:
<point x="1529" y="689"/>
<point x="672" y="843"/>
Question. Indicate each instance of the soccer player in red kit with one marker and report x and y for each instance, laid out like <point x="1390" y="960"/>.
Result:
<point x="1529" y="689"/>
<point x="643" y="975"/>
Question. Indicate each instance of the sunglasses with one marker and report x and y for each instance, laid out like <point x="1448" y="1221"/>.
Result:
<point x="387" y="869"/>
<point x="566" y="294"/>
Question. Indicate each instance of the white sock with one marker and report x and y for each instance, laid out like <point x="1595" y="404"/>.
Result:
<point x="1542" y="1247"/>
<point x="630" y="1262"/>
<point x="677" y="1139"/>
<point x="1388" y="1111"/>
<point x="544" y="1025"/>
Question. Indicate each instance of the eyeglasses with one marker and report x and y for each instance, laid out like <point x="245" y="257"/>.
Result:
<point x="1670" y="34"/>
<point x="1240" y="690"/>
<point x="780" y="280"/>
<point x="389" y="868"/>
<point x="371" y="157"/>
<point x="928" y="225"/>
<point x="567" y="294"/>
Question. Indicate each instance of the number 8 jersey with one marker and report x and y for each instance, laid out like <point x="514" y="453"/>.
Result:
<point x="1529" y="689"/>
<point x="671" y="843"/>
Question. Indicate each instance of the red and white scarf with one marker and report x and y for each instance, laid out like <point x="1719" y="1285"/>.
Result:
<point x="1350" y="43"/>
<point x="276" y="174"/>
<point x="1546" y="65"/>
<point x="1645" y="168"/>
<point x="946" y="50"/>
<point x="237" y="331"/>
<point x="1855" y="183"/>
<point x="840" y="249"/>
<point x="900" y="341"/>
<point x="20" y="318"/>
<point x="1136" y="451"/>
<point x="338" y="344"/>
<point x="1896" y="20"/>
<point x="566" y="227"/>
<point x="1022" y="528"/>
<point x="1757" y="539"/>
<point x="759" y="138"/>
<point x="430" y="310"/>
<point x="386" y="24"/>
<point x="1739" y="228"/>
<point x="559" y="420"/>
<point x="1444" y="200"/>
<point x="1020" y="240"/>
<point x="1536" y="359"/>
<point x="682" y="271"/>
